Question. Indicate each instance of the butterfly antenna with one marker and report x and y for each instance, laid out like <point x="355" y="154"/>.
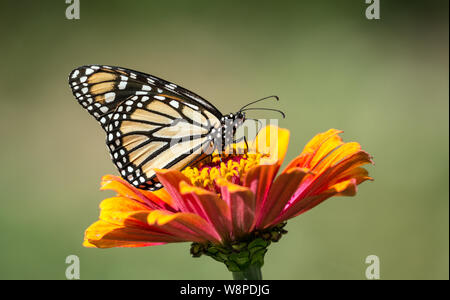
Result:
<point x="263" y="108"/>
<point x="253" y="102"/>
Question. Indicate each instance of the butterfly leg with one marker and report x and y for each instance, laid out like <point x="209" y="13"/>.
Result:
<point x="246" y="144"/>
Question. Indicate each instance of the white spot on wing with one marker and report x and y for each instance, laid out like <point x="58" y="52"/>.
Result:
<point x="109" y="97"/>
<point x="75" y="74"/>
<point x="192" y="106"/>
<point x="122" y="85"/>
<point x="174" y="103"/>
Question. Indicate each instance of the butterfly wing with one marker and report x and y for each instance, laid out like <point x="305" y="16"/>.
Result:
<point x="150" y="123"/>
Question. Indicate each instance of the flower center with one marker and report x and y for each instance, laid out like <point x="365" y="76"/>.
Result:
<point x="232" y="168"/>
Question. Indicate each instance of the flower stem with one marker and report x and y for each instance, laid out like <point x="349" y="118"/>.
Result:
<point x="253" y="272"/>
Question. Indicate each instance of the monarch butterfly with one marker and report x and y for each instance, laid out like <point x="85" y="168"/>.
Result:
<point x="152" y="123"/>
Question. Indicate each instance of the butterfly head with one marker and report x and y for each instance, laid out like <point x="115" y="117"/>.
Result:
<point x="230" y="123"/>
<point x="233" y="121"/>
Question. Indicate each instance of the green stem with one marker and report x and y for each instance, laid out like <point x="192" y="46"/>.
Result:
<point x="253" y="272"/>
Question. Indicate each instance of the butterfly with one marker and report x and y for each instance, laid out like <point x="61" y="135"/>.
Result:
<point x="152" y="123"/>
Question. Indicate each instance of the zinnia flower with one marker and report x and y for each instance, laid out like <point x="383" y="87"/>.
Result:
<point x="232" y="207"/>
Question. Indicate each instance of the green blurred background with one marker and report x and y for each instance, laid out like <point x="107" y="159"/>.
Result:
<point x="384" y="82"/>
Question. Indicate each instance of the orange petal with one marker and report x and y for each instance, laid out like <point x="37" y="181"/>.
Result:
<point x="360" y="174"/>
<point x="209" y="206"/>
<point x="300" y="207"/>
<point x="333" y="174"/>
<point x="136" y="219"/>
<point x="122" y="204"/>
<point x="331" y="137"/>
<point x="332" y="157"/>
<point x="335" y="171"/>
<point x="316" y="149"/>
<point x="281" y="192"/>
<point x="350" y="162"/>
<point x="124" y="211"/>
<point x="241" y="203"/>
<point x="123" y="223"/>
<point x="163" y="195"/>
<point x="88" y="245"/>
<point x="171" y="180"/>
<point x="345" y="188"/>
<point x="272" y="141"/>
<point x="102" y="234"/>
<point x="184" y="225"/>
<point x="123" y="188"/>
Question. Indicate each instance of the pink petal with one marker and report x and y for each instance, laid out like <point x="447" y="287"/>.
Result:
<point x="241" y="203"/>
